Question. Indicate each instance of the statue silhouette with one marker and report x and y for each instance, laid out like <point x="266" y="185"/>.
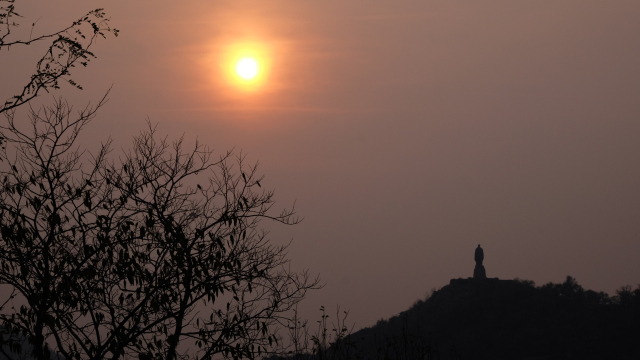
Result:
<point x="478" y="272"/>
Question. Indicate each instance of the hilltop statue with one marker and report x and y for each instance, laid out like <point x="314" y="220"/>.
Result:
<point x="479" y="279"/>
<point x="478" y="272"/>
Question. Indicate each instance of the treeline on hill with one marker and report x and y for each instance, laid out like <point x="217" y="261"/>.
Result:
<point x="493" y="319"/>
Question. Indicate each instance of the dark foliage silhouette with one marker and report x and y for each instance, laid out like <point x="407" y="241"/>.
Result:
<point x="157" y="255"/>
<point x="478" y="319"/>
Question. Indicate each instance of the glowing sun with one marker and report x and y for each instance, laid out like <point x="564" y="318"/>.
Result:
<point x="247" y="68"/>
<point x="245" y="65"/>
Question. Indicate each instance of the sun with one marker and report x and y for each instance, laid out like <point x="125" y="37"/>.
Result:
<point x="247" y="68"/>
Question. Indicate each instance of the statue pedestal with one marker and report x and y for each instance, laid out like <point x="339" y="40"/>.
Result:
<point x="479" y="273"/>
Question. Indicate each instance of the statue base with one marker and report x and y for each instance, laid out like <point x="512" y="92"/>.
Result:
<point x="479" y="273"/>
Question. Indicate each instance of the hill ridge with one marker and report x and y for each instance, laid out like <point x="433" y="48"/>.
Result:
<point x="491" y="318"/>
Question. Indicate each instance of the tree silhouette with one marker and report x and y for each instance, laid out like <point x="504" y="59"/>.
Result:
<point x="68" y="47"/>
<point x="135" y="258"/>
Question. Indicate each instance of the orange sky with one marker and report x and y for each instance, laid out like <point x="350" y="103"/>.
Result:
<point x="407" y="132"/>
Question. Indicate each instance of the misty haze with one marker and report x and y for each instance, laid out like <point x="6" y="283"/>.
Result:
<point x="319" y="179"/>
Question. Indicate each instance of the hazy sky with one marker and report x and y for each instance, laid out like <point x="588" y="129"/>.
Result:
<point x="407" y="132"/>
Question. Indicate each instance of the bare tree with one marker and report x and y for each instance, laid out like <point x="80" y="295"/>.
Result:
<point x="44" y="221"/>
<point x="135" y="258"/>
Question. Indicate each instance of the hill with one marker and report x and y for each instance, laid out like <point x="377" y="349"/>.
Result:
<point x="509" y="319"/>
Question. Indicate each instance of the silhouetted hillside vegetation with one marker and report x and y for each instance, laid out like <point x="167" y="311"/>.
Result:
<point x="502" y="319"/>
